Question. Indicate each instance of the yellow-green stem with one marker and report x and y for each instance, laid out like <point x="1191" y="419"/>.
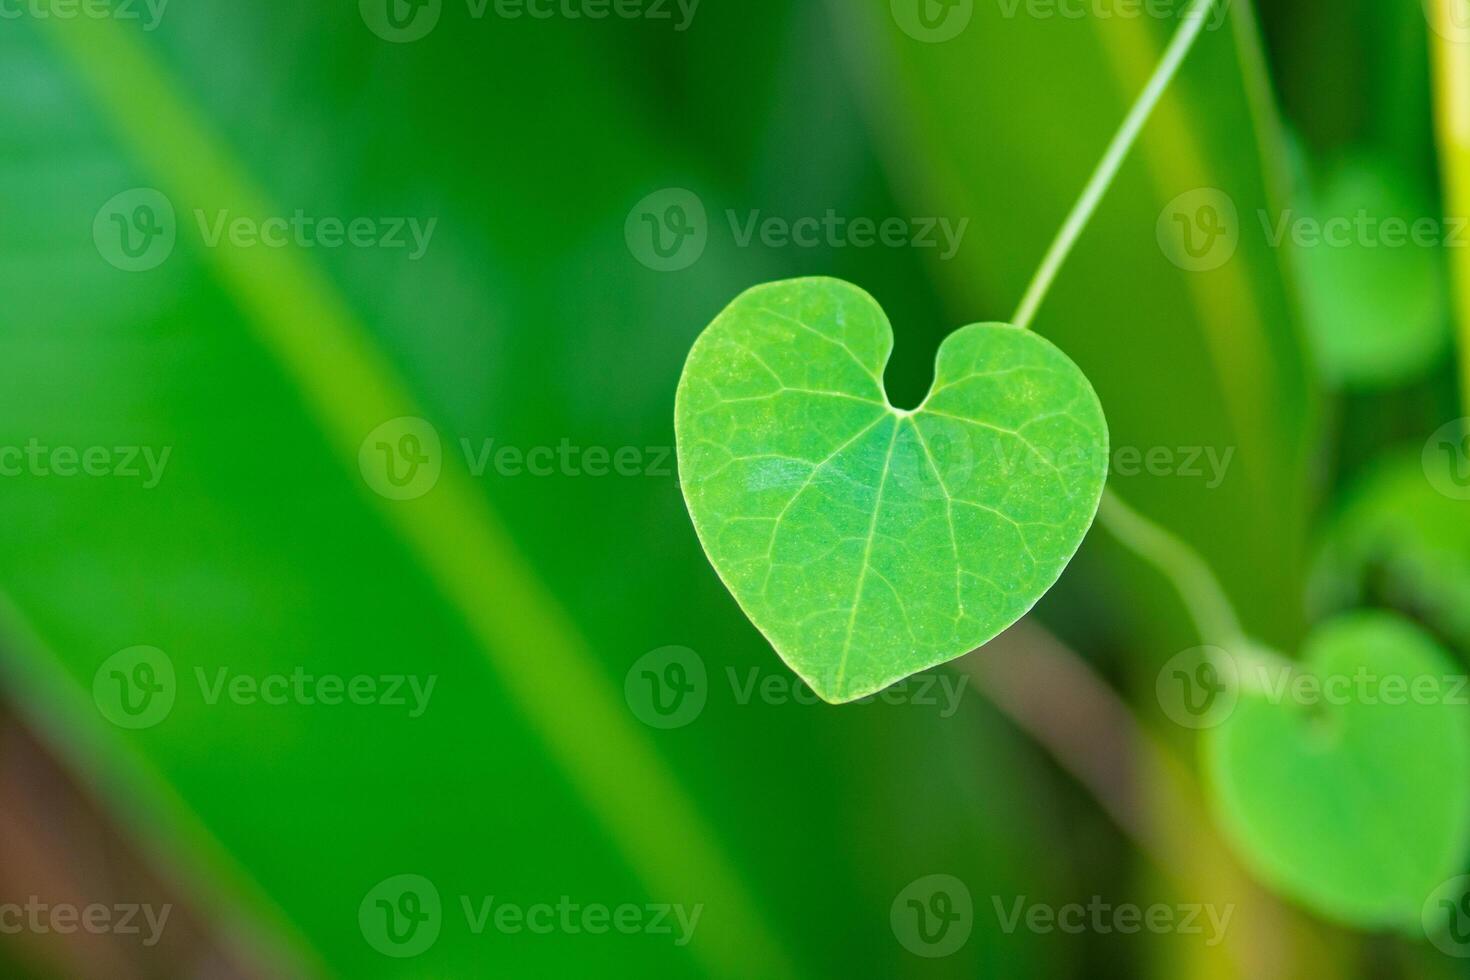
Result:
<point x="1450" y="54"/>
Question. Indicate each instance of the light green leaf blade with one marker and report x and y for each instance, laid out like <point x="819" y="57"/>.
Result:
<point x="1355" y="799"/>
<point x="1236" y="376"/>
<point x="869" y="542"/>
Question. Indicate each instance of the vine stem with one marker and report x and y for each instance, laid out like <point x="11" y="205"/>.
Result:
<point x="1205" y="599"/>
<point x="1108" y="167"/>
<point x="1209" y="606"/>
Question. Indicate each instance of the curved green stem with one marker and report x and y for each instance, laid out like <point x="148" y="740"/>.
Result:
<point x="1112" y="161"/>
<point x="1209" y="607"/>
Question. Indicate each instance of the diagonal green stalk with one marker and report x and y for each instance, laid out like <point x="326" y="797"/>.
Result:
<point x="350" y="387"/>
<point x="141" y="799"/>
<point x="1112" y="161"/>
<point x="1451" y="60"/>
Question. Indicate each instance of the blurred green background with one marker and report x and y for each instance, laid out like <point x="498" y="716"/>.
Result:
<point x="258" y="428"/>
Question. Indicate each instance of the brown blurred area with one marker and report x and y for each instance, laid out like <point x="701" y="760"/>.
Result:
<point x="58" y="848"/>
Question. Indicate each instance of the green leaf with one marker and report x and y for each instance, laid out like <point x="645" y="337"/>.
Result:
<point x="868" y="542"/>
<point x="1350" y="792"/>
<point x="1237" y="375"/>
<point x="1402" y="539"/>
<point x="1374" y="285"/>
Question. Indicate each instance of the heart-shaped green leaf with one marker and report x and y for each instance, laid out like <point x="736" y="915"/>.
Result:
<point x="867" y="542"/>
<point x="1402" y="539"/>
<point x="1347" y="785"/>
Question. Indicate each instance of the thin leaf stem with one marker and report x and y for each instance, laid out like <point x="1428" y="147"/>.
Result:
<point x="1112" y="161"/>
<point x="1205" y="599"/>
<point x="1209" y="607"/>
